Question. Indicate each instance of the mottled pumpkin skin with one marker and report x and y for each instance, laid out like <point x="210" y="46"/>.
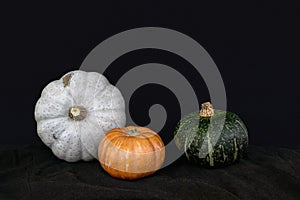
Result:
<point x="193" y="137"/>
<point x="73" y="139"/>
<point x="131" y="157"/>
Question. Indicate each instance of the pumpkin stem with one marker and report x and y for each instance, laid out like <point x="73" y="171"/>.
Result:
<point x="207" y="110"/>
<point x="77" y="113"/>
<point x="133" y="132"/>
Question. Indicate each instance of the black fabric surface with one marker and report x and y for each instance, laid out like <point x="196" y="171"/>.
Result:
<point x="32" y="172"/>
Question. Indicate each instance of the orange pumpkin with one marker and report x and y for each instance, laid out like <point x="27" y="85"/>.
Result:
<point x="131" y="152"/>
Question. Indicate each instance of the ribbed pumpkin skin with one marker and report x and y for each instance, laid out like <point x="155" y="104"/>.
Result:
<point x="73" y="138"/>
<point x="230" y="147"/>
<point x="131" y="156"/>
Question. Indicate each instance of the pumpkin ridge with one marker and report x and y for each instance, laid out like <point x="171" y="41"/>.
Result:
<point x="105" y="109"/>
<point x="153" y="164"/>
<point x="50" y="118"/>
<point x="114" y="141"/>
<point x="49" y="124"/>
<point x="97" y="86"/>
<point x="40" y="115"/>
<point x="114" y="131"/>
<point x="45" y="98"/>
<point x="149" y="141"/>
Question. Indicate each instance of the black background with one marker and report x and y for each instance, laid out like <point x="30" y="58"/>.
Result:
<point x="255" y="46"/>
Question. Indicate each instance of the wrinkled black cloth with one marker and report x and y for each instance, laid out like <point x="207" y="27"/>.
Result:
<point x="33" y="172"/>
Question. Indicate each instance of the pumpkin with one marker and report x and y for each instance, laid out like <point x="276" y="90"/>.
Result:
<point x="195" y="138"/>
<point x="131" y="152"/>
<point x="74" y="112"/>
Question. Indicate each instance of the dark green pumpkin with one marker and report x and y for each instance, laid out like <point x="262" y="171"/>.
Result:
<point x="196" y="139"/>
